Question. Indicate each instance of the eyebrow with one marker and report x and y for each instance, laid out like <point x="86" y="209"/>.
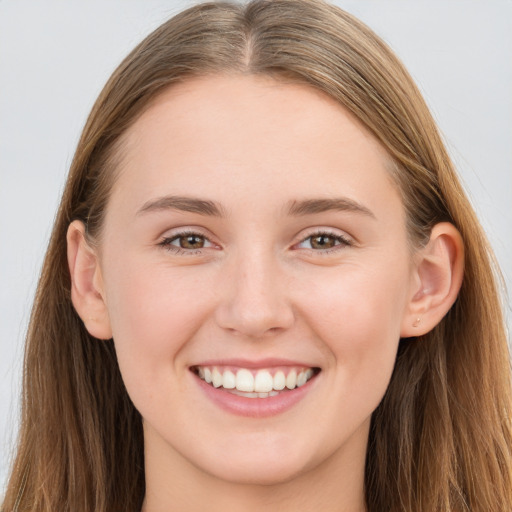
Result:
<point x="312" y="206"/>
<point x="295" y="208"/>
<point x="184" y="204"/>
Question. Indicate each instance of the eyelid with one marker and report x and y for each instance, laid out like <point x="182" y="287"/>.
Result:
<point x="165" y="240"/>
<point x="186" y="230"/>
<point x="344" y="239"/>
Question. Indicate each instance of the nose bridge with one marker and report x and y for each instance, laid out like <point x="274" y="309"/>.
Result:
<point x="256" y="301"/>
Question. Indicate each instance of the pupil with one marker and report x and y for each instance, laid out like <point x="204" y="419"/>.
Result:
<point x="191" y="242"/>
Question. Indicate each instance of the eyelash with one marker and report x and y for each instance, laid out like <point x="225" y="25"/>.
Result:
<point x="166" y="243"/>
<point x="340" y="241"/>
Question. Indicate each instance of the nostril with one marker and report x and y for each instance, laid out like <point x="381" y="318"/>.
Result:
<point x="253" y="302"/>
<point x="254" y="322"/>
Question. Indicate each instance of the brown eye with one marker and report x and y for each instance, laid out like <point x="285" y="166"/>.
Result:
<point x="186" y="242"/>
<point x="322" y="241"/>
<point x="191" y="242"/>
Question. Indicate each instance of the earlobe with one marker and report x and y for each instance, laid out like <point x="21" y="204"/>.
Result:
<point x="437" y="280"/>
<point x="87" y="292"/>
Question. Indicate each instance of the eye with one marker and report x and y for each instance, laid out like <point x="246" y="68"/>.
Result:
<point x="189" y="241"/>
<point x="324" y="241"/>
<point x="186" y="241"/>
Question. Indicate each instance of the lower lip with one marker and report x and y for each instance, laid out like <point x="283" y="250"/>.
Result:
<point x="255" y="407"/>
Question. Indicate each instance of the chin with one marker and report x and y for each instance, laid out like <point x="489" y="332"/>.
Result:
<point x="261" y="466"/>
<point x="267" y="474"/>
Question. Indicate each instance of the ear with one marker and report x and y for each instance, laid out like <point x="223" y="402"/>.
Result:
<point x="87" y="292"/>
<point x="438" y="271"/>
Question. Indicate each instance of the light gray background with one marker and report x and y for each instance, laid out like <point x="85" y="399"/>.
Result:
<point x="55" y="57"/>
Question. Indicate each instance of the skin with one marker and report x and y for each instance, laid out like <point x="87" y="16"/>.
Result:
<point x="258" y="288"/>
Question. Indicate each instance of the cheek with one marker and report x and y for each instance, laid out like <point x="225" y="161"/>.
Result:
<point x="153" y="314"/>
<point x="358" y="297"/>
<point x="357" y="314"/>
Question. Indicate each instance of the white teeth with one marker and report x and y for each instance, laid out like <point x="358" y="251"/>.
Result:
<point x="291" y="380"/>
<point x="216" y="378"/>
<point x="229" y="380"/>
<point x="243" y="393"/>
<point x="301" y="379"/>
<point x="263" y="383"/>
<point x="244" y="381"/>
<point x="280" y="381"/>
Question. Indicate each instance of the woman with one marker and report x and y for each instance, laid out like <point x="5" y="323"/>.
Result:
<point x="265" y="287"/>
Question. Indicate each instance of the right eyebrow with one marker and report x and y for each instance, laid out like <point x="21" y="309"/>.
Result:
<point x="320" y="205"/>
<point x="184" y="204"/>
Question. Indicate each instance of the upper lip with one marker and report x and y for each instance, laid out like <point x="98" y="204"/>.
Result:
<point x="255" y="363"/>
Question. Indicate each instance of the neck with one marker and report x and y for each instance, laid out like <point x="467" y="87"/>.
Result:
<point x="173" y="483"/>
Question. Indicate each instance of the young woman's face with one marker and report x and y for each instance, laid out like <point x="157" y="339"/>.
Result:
<point x="254" y="237"/>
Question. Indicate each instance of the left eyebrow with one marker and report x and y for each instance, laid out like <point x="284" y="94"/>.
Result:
<point x="312" y="206"/>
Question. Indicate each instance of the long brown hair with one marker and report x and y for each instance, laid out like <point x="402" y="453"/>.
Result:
<point x="441" y="438"/>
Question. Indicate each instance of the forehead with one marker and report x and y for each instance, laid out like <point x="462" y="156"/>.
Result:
<point x="265" y="136"/>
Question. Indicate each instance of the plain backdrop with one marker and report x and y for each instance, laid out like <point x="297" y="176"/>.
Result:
<point x="55" y="57"/>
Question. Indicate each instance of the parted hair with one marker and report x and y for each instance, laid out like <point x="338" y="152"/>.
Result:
<point x="440" y="440"/>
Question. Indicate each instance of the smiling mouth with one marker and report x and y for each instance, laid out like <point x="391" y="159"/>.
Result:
<point x="262" y="383"/>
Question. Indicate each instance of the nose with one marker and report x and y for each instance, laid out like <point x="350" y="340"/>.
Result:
<point x="255" y="299"/>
